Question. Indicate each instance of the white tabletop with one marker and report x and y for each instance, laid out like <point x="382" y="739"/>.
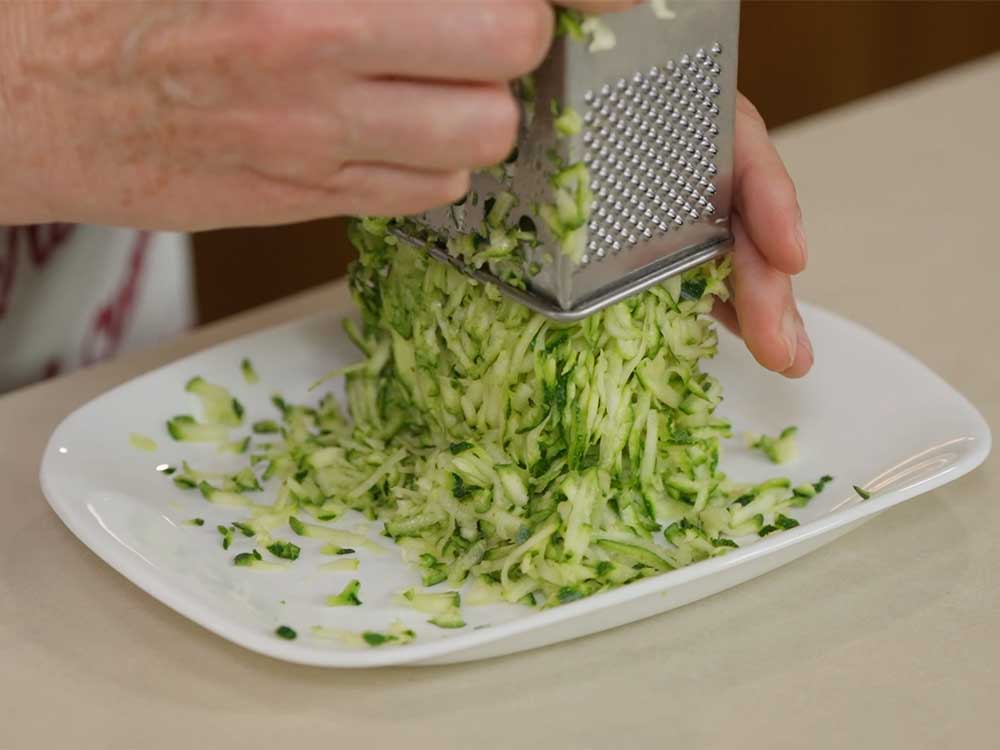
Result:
<point x="889" y="637"/>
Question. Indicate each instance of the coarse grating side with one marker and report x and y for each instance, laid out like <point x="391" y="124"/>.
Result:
<point x="656" y="138"/>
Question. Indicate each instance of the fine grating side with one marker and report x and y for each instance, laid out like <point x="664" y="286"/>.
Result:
<point x="650" y="146"/>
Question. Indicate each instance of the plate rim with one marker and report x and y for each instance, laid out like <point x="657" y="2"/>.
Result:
<point x="132" y="567"/>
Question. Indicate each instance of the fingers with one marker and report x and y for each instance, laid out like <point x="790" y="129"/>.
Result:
<point x="765" y="195"/>
<point x="469" y="40"/>
<point x="432" y="127"/>
<point x="356" y="189"/>
<point x="769" y="246"/>
<point x="389" y="190"/>
<point x="767" y="316"/>
<point x="444" y="127"/>
<point x="252" y="197"/>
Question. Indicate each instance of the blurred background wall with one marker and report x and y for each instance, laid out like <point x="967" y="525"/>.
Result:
<point x="797" y="57"/>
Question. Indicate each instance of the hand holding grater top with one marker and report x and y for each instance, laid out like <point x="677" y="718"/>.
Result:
<point x="622" y="174"/>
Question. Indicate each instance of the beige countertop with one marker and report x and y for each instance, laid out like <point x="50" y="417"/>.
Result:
<point x="889" y="637"/>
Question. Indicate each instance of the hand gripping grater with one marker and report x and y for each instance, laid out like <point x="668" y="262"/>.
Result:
<point x="657" y="120"/>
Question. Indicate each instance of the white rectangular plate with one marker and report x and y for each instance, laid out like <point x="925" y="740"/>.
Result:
<point x="869" y="414"/>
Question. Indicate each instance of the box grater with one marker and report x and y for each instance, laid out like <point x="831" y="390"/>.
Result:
<point x="657" y="118"/>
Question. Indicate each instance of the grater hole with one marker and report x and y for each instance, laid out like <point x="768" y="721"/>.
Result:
<point x="650" y="147"/>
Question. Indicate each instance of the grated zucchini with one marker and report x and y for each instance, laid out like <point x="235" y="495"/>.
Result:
<point x="346" y="598"/>
<point x="780" y="450"/>
<point x="340" y="566"/>
<point x="397" y="634"/>
<point x="250" y="376"/>
<point x="142" y="442"/>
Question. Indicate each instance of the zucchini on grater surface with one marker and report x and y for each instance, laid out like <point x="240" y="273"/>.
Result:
<point x="622" y="174"/>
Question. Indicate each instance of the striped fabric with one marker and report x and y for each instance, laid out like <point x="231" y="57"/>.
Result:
<point x="71" y="296"/>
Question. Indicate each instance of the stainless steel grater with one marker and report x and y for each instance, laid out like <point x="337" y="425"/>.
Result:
<point x="657" y="112"/>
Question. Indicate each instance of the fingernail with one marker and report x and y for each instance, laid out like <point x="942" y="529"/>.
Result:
<point x="800" y="238"/>
<point x="804" y="342"/>
<point x="790" y="335"/>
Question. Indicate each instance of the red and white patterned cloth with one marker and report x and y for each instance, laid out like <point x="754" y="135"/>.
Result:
<point x="73" y="295"/>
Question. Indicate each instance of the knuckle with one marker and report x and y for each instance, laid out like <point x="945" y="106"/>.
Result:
<point x="495" y="138"/>
<point x="264" y="31"/>
<point x="261" y="147"/>
<point x="454" y="186"/>
<point x="291" y="149"/>
<point x="336" y="30"/>
<point x="423" y="194"/>
<point x="527" y="35"/>
<point x="353" y="188"/>
<point x="239" y="137"/>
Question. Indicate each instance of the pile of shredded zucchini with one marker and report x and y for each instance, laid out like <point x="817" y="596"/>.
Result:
<point x="544" y="461"/>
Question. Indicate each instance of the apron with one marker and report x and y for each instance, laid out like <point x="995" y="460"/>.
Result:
<point x="73" y="295"/>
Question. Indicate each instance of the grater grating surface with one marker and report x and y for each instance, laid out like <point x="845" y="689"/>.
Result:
<point x="656" y="140"/>
<point x="650" y="149"/>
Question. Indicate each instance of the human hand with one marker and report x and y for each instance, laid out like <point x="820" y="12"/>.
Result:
<point x="770" y="247"/>
<point x="179" y="115"/>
